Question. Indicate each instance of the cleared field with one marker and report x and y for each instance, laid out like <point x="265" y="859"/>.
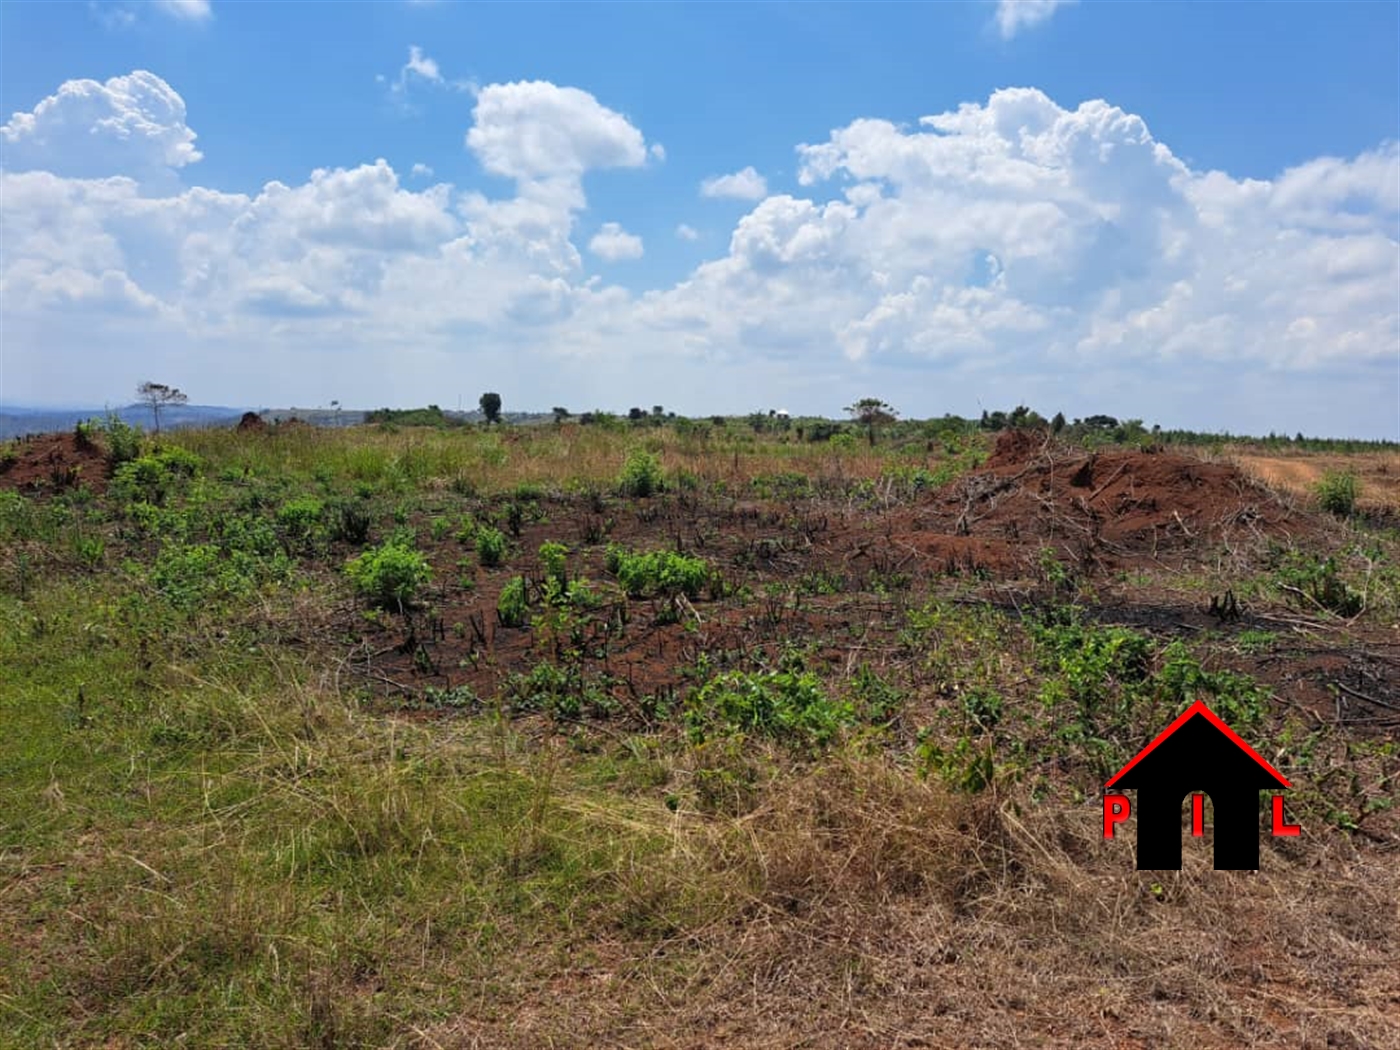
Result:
<point x="665" y="736"/>
<point x="1378" y="473"/>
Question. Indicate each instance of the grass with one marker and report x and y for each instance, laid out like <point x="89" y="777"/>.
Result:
<point x="859" y="830"/>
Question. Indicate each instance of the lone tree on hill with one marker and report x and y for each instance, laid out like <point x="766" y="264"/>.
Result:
<point x="491" y="407"/>
<point x="158" y="395"/>
<point x="870" y="412"/>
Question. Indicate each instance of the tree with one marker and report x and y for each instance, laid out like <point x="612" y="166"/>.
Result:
<point x="560" y="413"/>
<point x="634" y="414"/>
<point x="491" y="407"/>
<point x="158" y="395"/>
<point x="870" y="412"/>
<point x="1058" y="423"/>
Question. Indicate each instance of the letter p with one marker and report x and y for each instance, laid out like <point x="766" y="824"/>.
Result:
<point x="1116" y="809"/>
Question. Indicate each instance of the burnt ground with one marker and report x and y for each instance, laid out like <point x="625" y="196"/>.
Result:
<point x="836" y="574"/>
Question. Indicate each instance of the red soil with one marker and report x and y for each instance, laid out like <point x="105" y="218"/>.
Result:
<point x="52" y="463"/>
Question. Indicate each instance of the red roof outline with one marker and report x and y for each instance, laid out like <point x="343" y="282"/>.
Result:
<point x="1199" y="708"/>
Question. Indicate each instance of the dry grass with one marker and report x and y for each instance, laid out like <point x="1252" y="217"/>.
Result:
<point x="1299" y="474"/>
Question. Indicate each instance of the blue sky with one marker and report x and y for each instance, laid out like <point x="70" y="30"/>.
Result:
<point x="1184" y="212"/>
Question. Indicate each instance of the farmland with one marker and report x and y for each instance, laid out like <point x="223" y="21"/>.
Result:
<point x="682" y="733"/>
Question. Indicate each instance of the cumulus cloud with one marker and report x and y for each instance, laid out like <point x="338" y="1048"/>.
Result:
<point x="131" y="125"/>
<point x="535" y="130"/>
<point x="1010" y="249"/>
<point x="421" y="171"/>
<point x="687" y="233"/>
<point x="745" y="185"/>
<point x="615" y="244"/>
<point x="1014" y="15"/>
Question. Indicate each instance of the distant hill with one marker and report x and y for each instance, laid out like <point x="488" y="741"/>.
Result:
<point x="17" y="420"/>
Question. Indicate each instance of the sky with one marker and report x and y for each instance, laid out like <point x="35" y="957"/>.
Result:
<point x="1187" y="213"/>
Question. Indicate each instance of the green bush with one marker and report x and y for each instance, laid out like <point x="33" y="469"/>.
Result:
<point x="348" y="522"/>
<point x="512" y="607"/>
<point x="152" y="478"/>
<point x="784" y="705"/>
<point x="553" y="558"/>
<point x="123" y="442"/>
<point x="490" y="546"/>
<point x="652" y="573"/>
<point x="299" y="522"/>
<point x="641" y="475"/>
<point x="1337" y="492"/>
<point x="1317" y="584"/>
<point x="389" y="575"/>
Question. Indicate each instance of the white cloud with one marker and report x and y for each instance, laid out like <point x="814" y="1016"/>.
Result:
<point x="687" y="233"/>
<point x="1011" y="250"/>
<point x="746" y="185"/>
<point x="614" y="244"/>
<point x="533" y="131"/>
<point x="1014" y="15"/>
<point x="420" y="65"/>
<point x="189" y="10"/>
<point x="658" y="152"/>
<point x="421" y="171"/>
<point x="132" y="125"/>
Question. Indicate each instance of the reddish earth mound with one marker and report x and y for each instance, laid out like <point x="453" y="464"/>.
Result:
<point x="1123" y="503"/>
<point x="251" y="422"/>
<point x="52" y="463"/>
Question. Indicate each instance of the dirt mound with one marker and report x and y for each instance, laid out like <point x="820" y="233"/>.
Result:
<point x="251" y="423"/>
<point x="1014" y="447"/>
<point x="1099" y="505"/>
<point x="52" y="463"/>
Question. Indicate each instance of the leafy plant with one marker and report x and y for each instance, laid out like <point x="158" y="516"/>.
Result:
<point x="348" y="522"/>
<point x="1337" y="492"/>
<point x="490" y="546"/>
<point x="553" y="558"/>
<point x="513" y="607"/>
<point x="390" y="575"/>
<point x="784" y="705"/>
<point x="1314" y="583"/>
<point x="299" y="521"/>
<point x="652" y="573"/>
<point x="641" y="475"/>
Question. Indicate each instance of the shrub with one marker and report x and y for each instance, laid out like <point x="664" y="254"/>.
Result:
<point x="1337" y="492"/>
<point x="512" y="607"/>
<point x="658" y="573"/>
<point x="641" y="475"/>
<point x="389" y="575"/>
<point x="122" y="440"/>
<point x="784" y="705"/>
<point x="552" y="558"/>
<point x="490" y="546"/>
<point x="1317" y="583"/>
<point x="150" y="479"/>
<point x="348" y="522"/>
<point x="299" y="521"/>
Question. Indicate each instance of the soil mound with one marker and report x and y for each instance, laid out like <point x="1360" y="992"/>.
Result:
<point x="1099" y="505"/>
<point x="52" y="463"/>
<point x="251" y="422"/>
<point x="1015" y="447"/>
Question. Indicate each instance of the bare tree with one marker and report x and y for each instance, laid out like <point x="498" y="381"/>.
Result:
<point x="158" y="395"/>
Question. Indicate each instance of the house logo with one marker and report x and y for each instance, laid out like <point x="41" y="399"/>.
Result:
<point x="1199" y="755"/>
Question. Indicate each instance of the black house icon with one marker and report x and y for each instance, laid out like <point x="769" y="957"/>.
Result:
<point x="1198" y="752"/>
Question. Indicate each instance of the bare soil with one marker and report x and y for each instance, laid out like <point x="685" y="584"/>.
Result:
<point x="52" y="463"/>
<point x="837" y="577"/>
